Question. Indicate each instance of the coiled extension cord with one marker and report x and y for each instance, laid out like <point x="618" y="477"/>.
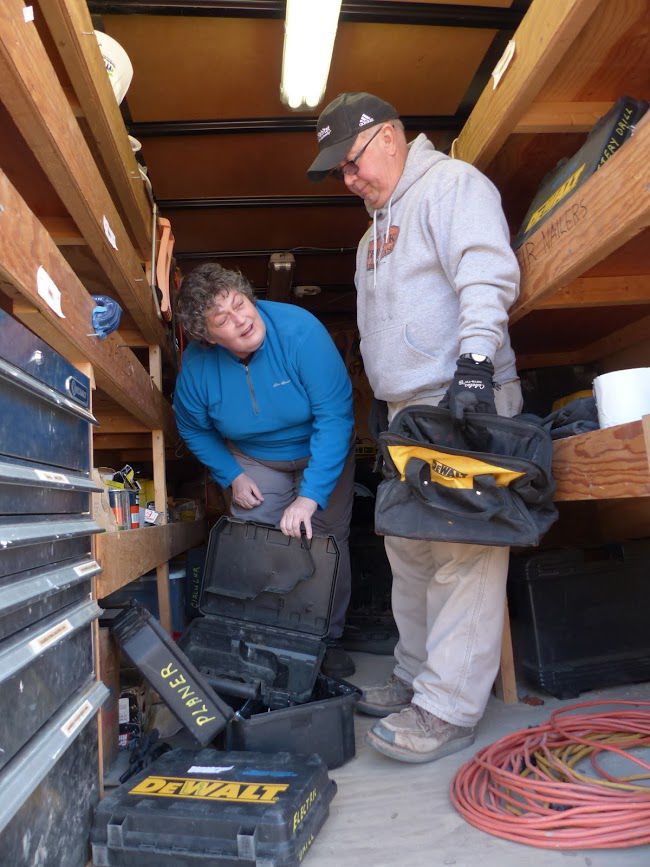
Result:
<point x="531" y="786"/>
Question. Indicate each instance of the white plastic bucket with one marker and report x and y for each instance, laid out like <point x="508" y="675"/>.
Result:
<point x="118" y="65"/>
<point x="622" y="396"/>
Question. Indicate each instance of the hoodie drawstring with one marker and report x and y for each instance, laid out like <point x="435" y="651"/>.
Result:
<point x="374" y="241"/>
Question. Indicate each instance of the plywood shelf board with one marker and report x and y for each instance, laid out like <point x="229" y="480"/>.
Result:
<point x="559" y="117"/>
<point x="126" y="555"/>
<point x="606" y="464"/>
<point x="608" y="58"/>
<point x="599" y="292"/>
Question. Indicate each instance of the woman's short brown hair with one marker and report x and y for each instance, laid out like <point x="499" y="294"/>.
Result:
<point x="200" y="290"/>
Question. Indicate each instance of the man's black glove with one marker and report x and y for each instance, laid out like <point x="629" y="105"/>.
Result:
<point x="471" y="389"/>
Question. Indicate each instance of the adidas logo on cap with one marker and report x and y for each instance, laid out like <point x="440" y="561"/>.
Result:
<point x="365" y="119"/>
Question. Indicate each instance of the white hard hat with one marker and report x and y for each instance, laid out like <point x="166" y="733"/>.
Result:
<point x="118" y="65"/>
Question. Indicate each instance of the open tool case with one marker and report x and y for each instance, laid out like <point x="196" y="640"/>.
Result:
<point x="266" y="601"/>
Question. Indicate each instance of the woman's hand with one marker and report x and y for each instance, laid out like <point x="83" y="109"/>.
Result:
<point x="299" y="512"/>
<point x="245" y="492"/>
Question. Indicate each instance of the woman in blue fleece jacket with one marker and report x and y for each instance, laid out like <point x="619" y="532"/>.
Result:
<point x="265" y="402"/>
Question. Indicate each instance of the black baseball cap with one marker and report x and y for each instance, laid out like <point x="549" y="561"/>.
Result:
<point x="340" y="123"/>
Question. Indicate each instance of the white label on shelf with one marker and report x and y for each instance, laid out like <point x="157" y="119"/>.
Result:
<point x="28" y="14"/>
<point x="110" y="234"/>
<point x="199" y="769"/>
<point x="49" y="291"/>
<point x="150" y="516"/>
<point x="76" y="719"/>
<point x="43" y="641"/>
<point x="503" y="64"/>
<point x="47" y="476"/>
<point x="84" y="568"/>
<point x="123" y="710"/>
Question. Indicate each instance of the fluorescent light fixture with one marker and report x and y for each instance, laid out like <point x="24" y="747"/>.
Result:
<point x="309" y="32"/>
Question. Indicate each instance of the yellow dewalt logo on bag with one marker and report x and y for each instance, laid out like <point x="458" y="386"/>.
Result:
<point x="452" y="471"/>
<point x="209" y="790"/>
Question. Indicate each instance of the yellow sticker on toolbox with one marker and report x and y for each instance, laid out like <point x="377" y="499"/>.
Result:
<point x="209" y="790"/>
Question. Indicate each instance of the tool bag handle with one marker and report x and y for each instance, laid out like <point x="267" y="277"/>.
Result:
<point x="490" y="500"/>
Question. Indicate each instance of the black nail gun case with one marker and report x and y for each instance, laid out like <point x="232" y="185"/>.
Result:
<point x="266" y="601"/>
<point x="193" y="807"/>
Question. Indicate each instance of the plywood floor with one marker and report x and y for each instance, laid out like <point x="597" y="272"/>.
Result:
<point x="388" y="814"/>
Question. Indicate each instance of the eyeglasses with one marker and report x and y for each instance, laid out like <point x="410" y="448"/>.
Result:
<point x="351" y="167"/>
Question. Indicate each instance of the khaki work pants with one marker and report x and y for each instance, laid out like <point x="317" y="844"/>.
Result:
<point x="448" y="603"/>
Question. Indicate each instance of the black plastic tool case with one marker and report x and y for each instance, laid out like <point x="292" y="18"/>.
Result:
<point x="324" y="724"/>
<point x="267" y="600"/>
<point x="583" y="616"/>
<point x="170" y="673"/>
<point x="267" y="607"/>
<point x="209" y="807"/>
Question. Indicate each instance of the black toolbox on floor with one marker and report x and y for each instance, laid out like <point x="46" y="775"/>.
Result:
<point x="266" y="602"/>
<point x="582" y="617"/>
<point x="208" y="807"/>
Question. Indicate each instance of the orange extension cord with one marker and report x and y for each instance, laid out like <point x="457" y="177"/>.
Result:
<point x="527" y="786"/>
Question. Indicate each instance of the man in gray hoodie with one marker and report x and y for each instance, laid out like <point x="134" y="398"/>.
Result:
<point x="435" y="279"/>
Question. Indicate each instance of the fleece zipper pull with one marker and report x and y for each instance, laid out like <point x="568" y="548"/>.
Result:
<point x="251" y="390"/>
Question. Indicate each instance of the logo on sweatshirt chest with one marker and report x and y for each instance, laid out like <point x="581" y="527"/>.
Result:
<point x="385" y="246"/>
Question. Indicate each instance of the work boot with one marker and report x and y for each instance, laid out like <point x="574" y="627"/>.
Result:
<point x="394" y="695"/>
<point x="415" y="735"/>
<point x="336" y="662"/>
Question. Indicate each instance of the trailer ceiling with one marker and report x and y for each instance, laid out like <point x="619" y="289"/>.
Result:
<point x="228" y="159"/>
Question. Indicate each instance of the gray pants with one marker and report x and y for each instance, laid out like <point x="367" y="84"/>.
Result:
<point x="448" y="603"/>
<point x="279" y="482"/>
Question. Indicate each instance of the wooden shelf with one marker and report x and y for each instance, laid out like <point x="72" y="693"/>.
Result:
<point x="542" y="40"/>
<point x="70" y="23"/>
<point x="126" y="555"/>
<point x="33" y="96"/>
<point x="612" y="463"/>
<point x="24" y="246"/>
<point x="603" y="214"/>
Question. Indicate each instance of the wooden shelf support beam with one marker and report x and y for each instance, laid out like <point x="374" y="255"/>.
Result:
<point x="544" y="36"/>
<point x="71" y="26"/>
<point x="30" y="90"/>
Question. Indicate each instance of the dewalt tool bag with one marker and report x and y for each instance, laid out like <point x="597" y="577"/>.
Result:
<point x="484" y="481"/>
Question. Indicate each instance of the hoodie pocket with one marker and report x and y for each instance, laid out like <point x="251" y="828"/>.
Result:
<point x="417" y="337"/>
<point x="395" y="365"/>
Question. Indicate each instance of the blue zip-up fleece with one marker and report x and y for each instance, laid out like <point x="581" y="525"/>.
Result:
<point x="292" y="399"/>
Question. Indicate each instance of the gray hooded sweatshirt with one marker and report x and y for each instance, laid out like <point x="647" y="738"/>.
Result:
<point x="435" y="278"/>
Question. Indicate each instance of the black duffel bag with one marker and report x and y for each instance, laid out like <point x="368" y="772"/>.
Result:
<point x="483" y="481"/>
